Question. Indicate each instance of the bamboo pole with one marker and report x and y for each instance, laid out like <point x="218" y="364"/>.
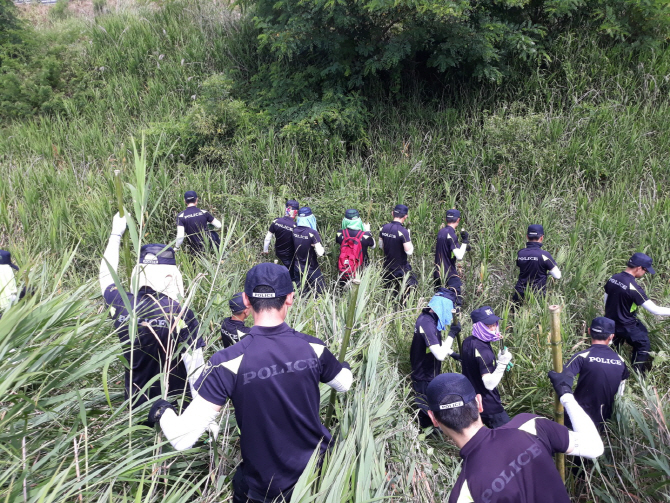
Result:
<point x="349" y="324"/>
<point x="119" y="203"/>
<point x="557" y="363"/>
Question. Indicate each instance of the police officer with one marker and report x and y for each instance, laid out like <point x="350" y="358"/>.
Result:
<point x="192" y="225"/>
<point x="282" y="230"/>
<point x="272" y="377"/>
<point x="308" y="247"/>
<point x="428" y="350"/>
<point x="602" y="372"/>
<point x="481" y="367"/>
<point x="514" y="462"/>
<point x="623" y="295"/>
<point x="233" y="328"/>
<point x="166" y="336"/>
<point x="448" y="251"/>
<point x="8" y="290"/>
<point x="396" y="242"/>
<point x="534" y="263"/>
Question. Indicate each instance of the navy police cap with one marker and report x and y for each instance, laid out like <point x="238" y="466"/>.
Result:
<point x="455" y="386"/>
<point x="305" y="211"/>
<point x="602" y="325"/>
<point x="642" y="260"/>
<point x="484" y="314"/>
<point x="157" y="254"/>
<point x="6" y="259"/>
<point x="453" y="213"/>
<point x="275" y="276"/>
<point x="236" y="304"/>
<point x="293" y="204"/>
<point x="400" y="210"/>
<point x="190" y="195"/>
<point x="535" y="231"/>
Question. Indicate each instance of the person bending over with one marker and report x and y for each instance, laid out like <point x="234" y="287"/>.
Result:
<point x="233" y="328"/>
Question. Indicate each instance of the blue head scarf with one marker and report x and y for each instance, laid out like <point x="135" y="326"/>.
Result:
<point x="442" y="307"/>
<point x="306" y="218"/>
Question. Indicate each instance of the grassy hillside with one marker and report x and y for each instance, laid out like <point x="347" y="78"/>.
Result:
<point x="580" y="146"/>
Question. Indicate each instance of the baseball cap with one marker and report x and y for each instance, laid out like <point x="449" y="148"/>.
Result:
<point x="641" y="260"/>
<point x="293" y="204"/>
<point x="275" y="276"/>
<point x="602" y="325"/>
<point x="190" y="195"/>
<point x="236" y="304"/>
<point x="484" y="314"/>
<point x="351" y="214"/>
<point x="305" y="211"/>
<point x="400" y="210"/>
<point x="157" y="254"/>
<point x="449" y="384"/>
<point x="453" y="214"/>
<point x="6" y="259"/>
<point x="535" y="231"/>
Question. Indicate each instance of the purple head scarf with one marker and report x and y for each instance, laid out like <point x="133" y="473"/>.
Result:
<point x="481" y="332"/>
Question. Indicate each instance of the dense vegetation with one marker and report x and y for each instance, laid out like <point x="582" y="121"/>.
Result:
<point x="575" y="138"/>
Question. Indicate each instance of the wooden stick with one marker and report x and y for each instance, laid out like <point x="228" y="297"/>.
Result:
<point x="557" y="361"/>
<point x="119" y="203"/>
<point x="349" y="324"/>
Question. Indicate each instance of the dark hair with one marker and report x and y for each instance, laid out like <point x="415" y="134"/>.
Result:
<point x="599" y="337"/>
<point x="238" y="313"/>
<point x="533" y="239"/>
<point x="458" y="418"/>
<point x="451" y="220"/>
<point x="265" y="304"/>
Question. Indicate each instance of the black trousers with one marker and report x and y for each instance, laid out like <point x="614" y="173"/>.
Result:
<point x="288" y="263"/>
<point x="394" y="280"/>
<point x="240" y="490"/>
<point x="314" y="281"/>
<point x="638" y="338"/>
<point x="421" y="403"/>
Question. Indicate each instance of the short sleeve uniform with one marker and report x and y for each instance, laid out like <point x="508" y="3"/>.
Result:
<point x="232" y="331"/>
<point x="394" y="235"/>
<point x="424" y="364"/>
<point x="272" y="377"/>
<point x="478" y="359"/>
<point x="624" y="295"/>
<point x="367" y="241"/>
<point x="304" y="239"/>
<point x="513" y="463"/>
<point x="159" y="327"/>
<point x="195" y="221"/>
<point x="445" y="260"/>
<point x="282" y="228"/>
<point x="534" y="264"/>
<point x="600" y="370"/>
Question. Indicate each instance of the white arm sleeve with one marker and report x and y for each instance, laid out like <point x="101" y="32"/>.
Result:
<point x="622" y="386"/>
<point x="459" y="253"/>
<point x="111" y="256"/>
<point x="194" y="363"/>
<point x="181" y="233"/>
<point x="555" y="273"/>
<point x="605" y="301"/>
<point x="492" y="380"/>
<point x="381" y="243"/>
<point x="342" y="381"/>
<point x="216" y="224"/>
<point x="441" y="351"/>
<point x="183" y="431"/>
<point x="408" y="247"/>
<point x="584" y="440"/>
<point x="318" y="247"/>
<point x="266" y="243"/>
<point x="657" y="310"/>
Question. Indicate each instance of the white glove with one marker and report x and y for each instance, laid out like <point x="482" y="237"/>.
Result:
<point x="504" y="357"/>
<point x="366" y="227"/>
<point x="118" y="225"/>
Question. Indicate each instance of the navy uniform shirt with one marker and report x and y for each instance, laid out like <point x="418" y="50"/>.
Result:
<point x="424" y="364"/>
<point x="194" y="221"/>
<point x="513" y="463"/>
<point x="395" y="235"/>
<point x="232" y="331"/>
<point x="534" y="263"/>
<point x="305" y="254"/>
<point x="282" y="228"/>
<point x="367" y="241"/>
<point x="272" y="377"/>
<point x="447" y="242"/>
<point x="624" y="295"/>
<point x="600" y="370"/>
<point x="161" y="314"/>
<point x="478" y="359"/>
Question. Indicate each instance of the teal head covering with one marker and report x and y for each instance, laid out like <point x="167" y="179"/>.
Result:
<point x="306" y="218"/>
<point x="352" y="220"/>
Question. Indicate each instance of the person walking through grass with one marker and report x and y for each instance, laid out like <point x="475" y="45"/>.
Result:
<point x="272" y="377"/>
<point x="233" y="328"/>
<point x="395" y="241"/>
<point x="623" y="295"/>
<point x="282" y="230"/>
<point x="192" y="226"/>
<point x="447" y="252"/>
<point x="308" y="247"/>
<point x="355" y="240"/>
<point x="513" y="462"/>
<point x="9" y="292"/>
<point x="534" y="264"/>
<point x="481" y="366"/>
